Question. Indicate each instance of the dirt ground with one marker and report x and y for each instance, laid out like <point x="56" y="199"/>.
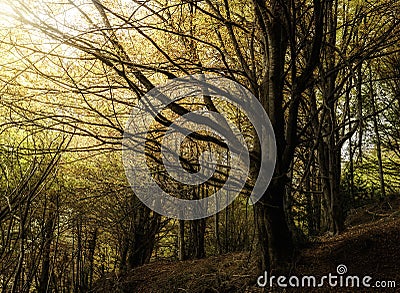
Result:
<point x="370" y="246"/>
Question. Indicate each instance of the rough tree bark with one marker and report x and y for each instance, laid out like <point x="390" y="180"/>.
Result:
<point x="275" y="240"/>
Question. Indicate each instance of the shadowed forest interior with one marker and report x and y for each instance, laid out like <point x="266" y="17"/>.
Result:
<point x="327" y="73"/>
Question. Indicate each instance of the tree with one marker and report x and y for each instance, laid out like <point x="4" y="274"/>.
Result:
<point x="304" y="61"/>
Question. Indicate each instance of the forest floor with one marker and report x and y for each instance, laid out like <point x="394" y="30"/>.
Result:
<point x="370" y="246"/>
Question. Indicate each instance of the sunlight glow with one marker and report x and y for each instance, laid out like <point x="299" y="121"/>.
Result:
<point x="7" y="14"/>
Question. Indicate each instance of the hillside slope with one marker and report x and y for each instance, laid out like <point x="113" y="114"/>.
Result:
<point x="369" y="246"/>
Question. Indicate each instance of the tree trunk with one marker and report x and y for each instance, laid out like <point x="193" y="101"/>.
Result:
<point x="181" y="239"/>
<point x="198" y="227"/>
<point x="329" y="157"/>
<point x="217" y="232"/>
<point x="47" y="240"/>
<point x="275" y="240"/>
<point x="378" y="141"/>
<point x="329" y="151"/>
